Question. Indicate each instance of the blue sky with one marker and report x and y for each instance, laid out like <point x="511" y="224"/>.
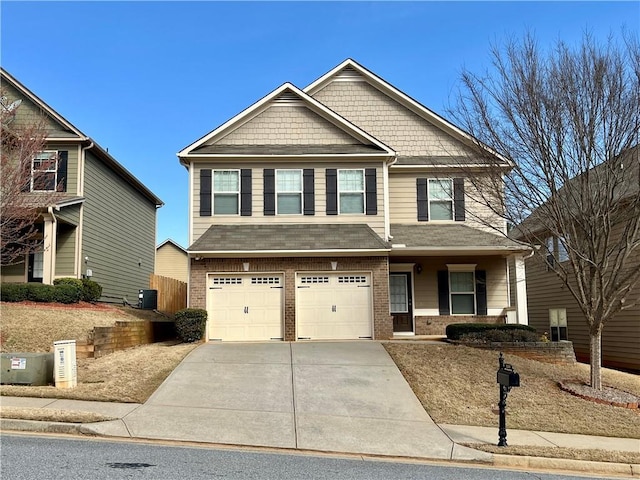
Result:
<point x="145" y="79"/>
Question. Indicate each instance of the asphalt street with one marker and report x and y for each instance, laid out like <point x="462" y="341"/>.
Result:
<point x="27" y="457"/>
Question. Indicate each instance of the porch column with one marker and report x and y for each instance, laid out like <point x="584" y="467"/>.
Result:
<point x="521" y="290"/>
<point x="49" y="247"/>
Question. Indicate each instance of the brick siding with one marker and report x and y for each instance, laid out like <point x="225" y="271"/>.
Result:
<point x="378" y="266"/>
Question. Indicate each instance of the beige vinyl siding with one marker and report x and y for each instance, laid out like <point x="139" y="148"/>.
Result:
<point x="287" y="125"/>
<point x="403" y="206"/>
<point x="66" y="251"/>
<point x="172" y="262"/>
<point x="426" y="282"/>
<point x="118" y="233"/>
<point x="14" y="273"/>
<point x="386" y="119"/>
<point x="620" y="337"/>
<point x="201" y="224"/>
<point x="29" y="114"/>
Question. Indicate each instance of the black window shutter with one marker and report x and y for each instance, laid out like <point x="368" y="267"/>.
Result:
<point x="423" y="201"/>
<point x="62" y="171"/>
<point x="443" y="292"/>
<point x="332" y="191"/>
<point x="308" y="189"/>
<point x="481" y="292"/>
<point x="269" y="191"/>
<point x="205" y="192"/>
<point x="245" y="192"/>
<point x="370" y="187"/>
<point x="26" y="177"/>
<point x="458" y="199"/>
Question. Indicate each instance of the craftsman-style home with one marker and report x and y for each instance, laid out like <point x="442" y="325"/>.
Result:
<point x="342" y="211"/>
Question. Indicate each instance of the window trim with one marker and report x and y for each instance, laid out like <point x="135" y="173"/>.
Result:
<point x="363" y="192"/>
<point x="451" y="199"/>
<point x="214" y="193"/>
<point x="300" y="193"/>
<point x="52" y="155"/>
<point x="462" y="268"/>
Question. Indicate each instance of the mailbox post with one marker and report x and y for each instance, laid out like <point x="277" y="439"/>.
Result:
<point x="506" y="378"/>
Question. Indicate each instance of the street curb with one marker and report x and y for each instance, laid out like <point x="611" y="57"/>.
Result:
<point x="39" y="426"/>
<point x="516" y="461"/>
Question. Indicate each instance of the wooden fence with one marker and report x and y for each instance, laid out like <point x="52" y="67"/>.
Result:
<point x="172" y="293"/>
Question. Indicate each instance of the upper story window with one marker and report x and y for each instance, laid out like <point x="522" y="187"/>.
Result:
<point x="226" y="192"/>
<point x="44" y="172"/>
<point x="556" y="250"/>
<point x="440" y="199"/>
<point x="289" y="192"/>
<point x="351" y="191"/>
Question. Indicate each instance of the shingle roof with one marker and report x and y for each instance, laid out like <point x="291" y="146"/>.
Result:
<point x="285" y="238"/>
<point x="449" y="236"/>
<point x="438" y="161"/>
<point x="288" y="149"/>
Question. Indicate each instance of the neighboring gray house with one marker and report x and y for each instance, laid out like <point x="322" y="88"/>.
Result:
<point x="341" y="211"/>
<point x="103" y="223"/>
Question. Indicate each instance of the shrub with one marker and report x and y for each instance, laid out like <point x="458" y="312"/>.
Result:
<point x="495" y="335"/>
<point x="67" y="293"/>
<point x="190" y="324"/>
<point x="457" y="330"/>
<point x="40" y="292"/>
<point x="69" y="281"/>
<point x="91" y="291"/>
<point x="13" y="292"/>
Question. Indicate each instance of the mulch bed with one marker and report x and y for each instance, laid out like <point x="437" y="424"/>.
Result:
<point x="606" y="396"/>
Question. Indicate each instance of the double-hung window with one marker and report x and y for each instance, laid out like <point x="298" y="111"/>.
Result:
<point x="226" y="192"/>
<point x="462" y="291"/>
<point x="351" y="191"/>
<point x="44" y="172"/>
<point x="440" y="199"/>
<point x="289" y="192"/>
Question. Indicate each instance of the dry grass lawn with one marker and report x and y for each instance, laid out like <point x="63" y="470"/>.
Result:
<point x="130" y="375"/>
<point x="457" y="385"/>
<point x="557" y="452"/>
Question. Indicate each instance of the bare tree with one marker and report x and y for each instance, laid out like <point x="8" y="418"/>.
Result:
<point x="567" y="120"/>
<point x="24" y="193"/>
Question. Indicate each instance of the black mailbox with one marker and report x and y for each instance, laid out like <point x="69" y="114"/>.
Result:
<point x="508" y="378"/>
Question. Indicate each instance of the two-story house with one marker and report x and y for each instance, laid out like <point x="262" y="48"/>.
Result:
<point x="102" y="223"/>
<point x="341" y="211"/>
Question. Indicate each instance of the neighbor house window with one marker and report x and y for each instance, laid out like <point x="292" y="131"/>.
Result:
<point x="440" y="199"/>
<point x="558" y="324"/>
<point x="351" y="191"/>
<point x="462" y="292"/>
<point x="556" y="250"/>
<point x="44" y="172"/>
<point x="289" y="192"/>
<point x="226" y="192"/>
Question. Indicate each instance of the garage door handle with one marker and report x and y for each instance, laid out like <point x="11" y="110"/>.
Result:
<point x="246" y="309"/>
<point x="333" y="308"/>
<point x="364" y="286"/>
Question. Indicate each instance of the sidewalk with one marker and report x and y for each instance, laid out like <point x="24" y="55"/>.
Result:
<point x="457" y="433"/>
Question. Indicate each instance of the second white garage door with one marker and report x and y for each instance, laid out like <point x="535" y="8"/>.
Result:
<point x="244" y="307"/>
<point x="333" y="306"/>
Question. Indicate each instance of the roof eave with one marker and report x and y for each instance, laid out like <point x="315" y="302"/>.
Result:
<point x="288" y="253"/>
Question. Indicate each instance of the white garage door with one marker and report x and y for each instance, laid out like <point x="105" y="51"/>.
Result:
<point x="333" y="306"/>
<point x="244" y="307"/>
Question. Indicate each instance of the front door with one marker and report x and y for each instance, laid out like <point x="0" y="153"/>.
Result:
<point x="400" y="301"/>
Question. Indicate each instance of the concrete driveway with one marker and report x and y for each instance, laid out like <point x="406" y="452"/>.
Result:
<point x="328" y="396"/>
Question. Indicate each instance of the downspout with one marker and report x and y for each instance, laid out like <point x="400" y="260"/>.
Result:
<point x="81" y="169"/>
<point x="52" y="245"/>
<point x="385" y="174"/>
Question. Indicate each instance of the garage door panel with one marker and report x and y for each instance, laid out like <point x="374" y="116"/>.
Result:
<point x="245" y="307"/>
<point x="333" y="306"/>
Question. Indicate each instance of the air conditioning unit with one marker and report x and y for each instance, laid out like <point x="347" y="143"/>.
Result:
<point x="26" y="369"/>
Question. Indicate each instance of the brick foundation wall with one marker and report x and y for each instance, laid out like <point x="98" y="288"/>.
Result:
<point x="378" y="266"/>
<point x="106" y="340"/>
<point x="547" y="352"/>
<point x="437" y="324"/>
